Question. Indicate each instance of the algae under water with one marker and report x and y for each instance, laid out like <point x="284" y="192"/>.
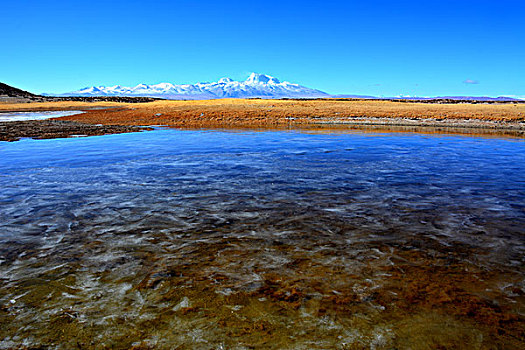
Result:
<point x="288" y="240"/>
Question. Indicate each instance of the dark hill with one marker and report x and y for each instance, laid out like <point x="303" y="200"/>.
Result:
<point x="9" y="91"/>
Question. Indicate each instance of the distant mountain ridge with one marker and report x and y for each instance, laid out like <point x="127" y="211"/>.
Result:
<point x="256" y="86"/>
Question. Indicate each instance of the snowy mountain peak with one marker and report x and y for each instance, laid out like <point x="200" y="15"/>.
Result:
<point x="256" y="78"/>
<point x="256" y="86"/>
<point x="225" y="80"/>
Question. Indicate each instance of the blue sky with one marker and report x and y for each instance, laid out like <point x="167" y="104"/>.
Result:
<point x="382" y="48"/>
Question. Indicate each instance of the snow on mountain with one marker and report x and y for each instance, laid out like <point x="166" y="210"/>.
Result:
<point x="256" y="86"/>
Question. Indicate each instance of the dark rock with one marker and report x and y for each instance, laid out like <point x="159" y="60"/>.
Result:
<point x="50" y="129"/>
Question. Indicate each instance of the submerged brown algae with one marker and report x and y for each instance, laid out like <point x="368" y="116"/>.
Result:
<point x="210" y="289"/>
<point x="300" y="242"/>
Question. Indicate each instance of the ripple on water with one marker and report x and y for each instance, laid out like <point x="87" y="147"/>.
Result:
<point x="204" y="239"/>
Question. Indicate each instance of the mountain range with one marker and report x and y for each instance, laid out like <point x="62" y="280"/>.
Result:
<point x="256" y="86"/>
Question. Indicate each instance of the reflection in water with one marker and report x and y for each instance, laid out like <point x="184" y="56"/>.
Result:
<point x="202" y="239"/>
<point x="510" y="131"/>
<point x="515" y="131"/>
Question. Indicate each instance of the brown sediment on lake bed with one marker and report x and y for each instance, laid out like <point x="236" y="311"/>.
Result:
<point x="233" y="288"/>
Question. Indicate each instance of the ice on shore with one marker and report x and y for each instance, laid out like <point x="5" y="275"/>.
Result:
<point x="24" y="116"/>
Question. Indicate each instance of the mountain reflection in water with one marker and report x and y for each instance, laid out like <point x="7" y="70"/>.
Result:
<point x="289" y="240"/>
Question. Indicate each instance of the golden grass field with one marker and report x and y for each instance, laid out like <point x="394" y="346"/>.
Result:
<point x="255" y="112"/>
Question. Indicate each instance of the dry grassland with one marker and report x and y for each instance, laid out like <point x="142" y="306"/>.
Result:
<point x="242" y="112"/>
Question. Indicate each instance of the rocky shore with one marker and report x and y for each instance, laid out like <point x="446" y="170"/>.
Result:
<point x="50" y="129"/>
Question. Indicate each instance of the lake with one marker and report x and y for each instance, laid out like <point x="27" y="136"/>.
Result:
<point x="206" y="239"/>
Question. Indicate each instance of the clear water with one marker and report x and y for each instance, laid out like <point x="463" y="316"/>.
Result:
<point x="295" y="240"/>
<point x="23" y="116"/>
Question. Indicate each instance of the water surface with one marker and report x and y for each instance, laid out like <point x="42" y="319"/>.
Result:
<point x="289" y="240"/>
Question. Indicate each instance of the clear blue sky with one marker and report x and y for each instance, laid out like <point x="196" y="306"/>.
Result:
<point x="387" y="48"/>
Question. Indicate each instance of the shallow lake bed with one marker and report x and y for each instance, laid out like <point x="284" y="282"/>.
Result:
<point x="282" y="239"/>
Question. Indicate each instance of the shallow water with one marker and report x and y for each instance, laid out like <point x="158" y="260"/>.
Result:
<point x="294" y="240"/>
<point x="21" y="116"/>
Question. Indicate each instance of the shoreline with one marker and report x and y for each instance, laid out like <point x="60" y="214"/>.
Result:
<point x="469" y="119"/>
<point x="474" y="124"/>
<point x="52" y="129"/>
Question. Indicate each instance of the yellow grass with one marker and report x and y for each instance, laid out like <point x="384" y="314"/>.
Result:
<point x="270" y="112"/>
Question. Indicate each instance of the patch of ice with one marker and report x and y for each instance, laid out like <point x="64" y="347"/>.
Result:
<point x="24" y="116"/>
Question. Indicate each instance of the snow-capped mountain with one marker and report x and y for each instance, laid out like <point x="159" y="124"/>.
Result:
<point x="257" y="85"/>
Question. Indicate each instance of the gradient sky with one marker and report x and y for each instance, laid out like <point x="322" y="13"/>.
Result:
<point x="382" y="48"/>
